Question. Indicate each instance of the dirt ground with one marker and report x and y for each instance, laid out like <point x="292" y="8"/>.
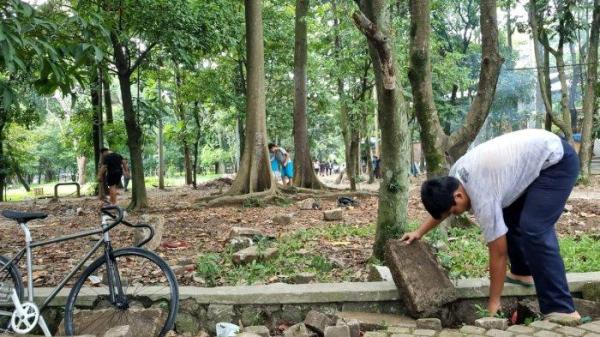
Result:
<point x="196" y="230"/>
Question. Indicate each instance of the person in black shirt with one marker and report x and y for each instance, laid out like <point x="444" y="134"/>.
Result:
<point x="110" y="172"/>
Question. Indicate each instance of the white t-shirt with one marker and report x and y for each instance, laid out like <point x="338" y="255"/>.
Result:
<point x="497" y="172"/>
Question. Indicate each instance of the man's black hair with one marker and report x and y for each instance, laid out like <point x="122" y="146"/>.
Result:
<point x="271" y="145"/>
<point x="437" y="195"/>
<point x="102" y="150"/>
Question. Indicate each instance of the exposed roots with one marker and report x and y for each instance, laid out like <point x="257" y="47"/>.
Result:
<point x="228" y="199"/>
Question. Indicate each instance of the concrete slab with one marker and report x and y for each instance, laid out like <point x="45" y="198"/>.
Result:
<point x="424" y="284"/>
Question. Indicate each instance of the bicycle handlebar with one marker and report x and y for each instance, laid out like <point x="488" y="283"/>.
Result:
<point x="119" y="216"/>
<point x="119" y="219"/>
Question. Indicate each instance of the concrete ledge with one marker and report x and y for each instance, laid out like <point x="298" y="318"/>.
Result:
<point x="281" y="293"/>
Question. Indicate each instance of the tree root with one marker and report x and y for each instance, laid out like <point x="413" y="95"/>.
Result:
<point x="227" y="199"/>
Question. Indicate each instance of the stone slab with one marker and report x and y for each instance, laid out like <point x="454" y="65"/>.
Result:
<point x="570" y="331"/>
<point x="547" y="333"/>
<point x="472" y="330"/>
<point x="418" y="275"/>
<point x="544" y="325"/>
<point x="498" y="333"/>
<point x="521" y="329"/>
<point x="372" y="321"/>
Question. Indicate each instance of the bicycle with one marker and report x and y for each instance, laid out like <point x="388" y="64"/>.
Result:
<point x="123" y="285"/>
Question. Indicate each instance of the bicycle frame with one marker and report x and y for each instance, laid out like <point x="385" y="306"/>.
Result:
<point x="30" y="244"/>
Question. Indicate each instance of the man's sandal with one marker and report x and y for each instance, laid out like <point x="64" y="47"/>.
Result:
<point x="509" y="279"/>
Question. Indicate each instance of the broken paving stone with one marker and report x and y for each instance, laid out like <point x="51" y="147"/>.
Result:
<point x="282" y="219"/>
<point x="317" y="321"/>
<point x="304" y="278"/>
<point x="309" y="204"/>
<point x="240" y="242"/>
<point x="492" y="323"/>
<point x="498" y="333"/>
<point x="118" y="331"/>
<point x="298" y="330"/>
<point x="521" y="329"/>
<point x="472" y="330"/>
<point x="379" y="273"/>
<point x="429" y="323"/>
<point x="353" y="325"/>
<point x="569" y="331"/>
<point x="563" y="320"/>
<point x="250" y="254"/>
<point x="544" y="325"/>
<point x="418" y="275"/>
<point x="591" y="291"/>
<point x="546" y="333"/>
<point x="244" y="231"/>
<point x="587" y="308"/>
<point x="424" y="332"/>
<point x="259" y="330"/>
<point x="337" y="331"/>
<point x="333" y="215"/>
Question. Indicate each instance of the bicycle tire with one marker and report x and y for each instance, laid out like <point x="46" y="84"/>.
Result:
<point x="10" y="273"/>
<point x="123" y="258"/>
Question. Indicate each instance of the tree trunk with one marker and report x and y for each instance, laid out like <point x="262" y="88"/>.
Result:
<point x="573" y="88"/>
<point x="589" y="96"/>
<point x="435" y="143"/>
<point x="509" y="27"/>
<point x="81" y="161"/>
<point x="197" y="141"/>
<point x="18" y="172"/>
<point x="161" y="145"/>
<point x="255" y="168"/>
<point x="304" y="174"/>
<point x="97" y="139"/>
<point x="393" y="193"/>
<point x="3" y="164"/>
<point x="134" y="132"/>
<point x="241" y="89"/>
<point x="352" y="161"/>
<point x="182" y="117"/>
<point x="108" y="111"/>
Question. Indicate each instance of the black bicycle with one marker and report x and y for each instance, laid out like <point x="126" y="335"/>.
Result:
<point x="129" y="286"/>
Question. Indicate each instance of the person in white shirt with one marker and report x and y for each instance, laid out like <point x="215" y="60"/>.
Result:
<point x="516" y="185"/>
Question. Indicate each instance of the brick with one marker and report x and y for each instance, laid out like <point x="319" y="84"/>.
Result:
<point x="450" y="333"/>
<point x="521" y="329"/>
<point x="398" y="329"/>
<point x="492" y="323"/>
<point x="498" y="333"/>
<point x="424" y="332"/>
<point x="337" y="331"/>
<point x="419" y="277"/>
<point x="429" y="323"/>
<point x="545" y="325"/>
<point x="472" y="330"/>
<point x="569" y="331"/>
<point x="547" y="333"/>
<point x="592" y="327"/>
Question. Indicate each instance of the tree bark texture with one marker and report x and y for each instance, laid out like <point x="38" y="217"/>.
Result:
<point x="589" y="95"/>
<point x="134" y="132"/>
<point x="106" y="95"/>
<point x="575" y="79"/>
<point x="255" y="169"/>
<point x="181" y="115"/>
<point x="304" y="175"/>
<point x="434" y="141"/>
<point x="395" y="136"/>
<point x="3" y="164"/>
<point x="81" y="161"/>
<point x="161" y="145"/>
<point x="97" y="137"/>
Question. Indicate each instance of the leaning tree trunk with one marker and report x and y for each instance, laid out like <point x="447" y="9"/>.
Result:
<point x="436" y="144"/>
<point x="255" y="168"/>
<point x="589" y="96"/>
<point x="134" y="131"/>
<point x="393" y="193"/>
<point x="304" y="175"/>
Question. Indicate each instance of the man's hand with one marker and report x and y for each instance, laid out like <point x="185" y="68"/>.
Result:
<point x="410" y="237"/>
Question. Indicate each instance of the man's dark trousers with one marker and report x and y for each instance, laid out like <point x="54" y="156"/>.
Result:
<point x="532" y="243"/>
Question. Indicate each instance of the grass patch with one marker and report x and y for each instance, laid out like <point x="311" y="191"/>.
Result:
<point x="467" y="255"/>
<point x="299" y="251"/>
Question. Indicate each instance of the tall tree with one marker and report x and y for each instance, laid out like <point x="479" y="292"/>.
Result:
<point x="589" y="95"/>
<point x="304" y="175"/>
<point x="437" y="145"/>
<point x="392" y="112"/>
<point x="255" y="170"/>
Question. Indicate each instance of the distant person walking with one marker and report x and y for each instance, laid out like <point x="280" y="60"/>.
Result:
<point x="126" y="173"/>
<point x="110" y="172"/>
<point x="287" y="166"/>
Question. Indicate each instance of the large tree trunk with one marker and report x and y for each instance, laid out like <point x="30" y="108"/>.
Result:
<point x="97" y="134"/>
<point x="589" y="96"/>
<point x="161" y="145"/>
<point x="393" y="193"/>
<point x="134" y="132"/>
<point x="3" y="164"/>
<point x="196" y="141"/>
<point x="241" y="90"/>
<point x="304" y="175"/>
<point x="187" y="162"/>
<point x="573" y="88"/>
<point x="81" y="161"/>
<point x="436" y="144"/>
<point x="108" y="111"/>
<point x="255" y="168"/>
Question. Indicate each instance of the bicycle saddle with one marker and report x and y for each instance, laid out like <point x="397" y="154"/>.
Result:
<point x="23" y="217"/>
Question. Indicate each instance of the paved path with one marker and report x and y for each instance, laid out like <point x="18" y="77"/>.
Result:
<point x="535" y="329"/>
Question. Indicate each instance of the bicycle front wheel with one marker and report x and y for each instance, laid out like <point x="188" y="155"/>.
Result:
<point x="147" y="300"/>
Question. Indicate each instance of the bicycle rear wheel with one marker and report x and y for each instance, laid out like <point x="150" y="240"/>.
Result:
<point x="10" y="278"/>
<point x="149" y="304"/>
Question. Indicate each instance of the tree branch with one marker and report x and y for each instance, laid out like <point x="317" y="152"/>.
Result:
<point x="141" y="58"/>
<point x="381" y="44"/>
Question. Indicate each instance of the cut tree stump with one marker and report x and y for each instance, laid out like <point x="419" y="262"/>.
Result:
<point x="421" y="281"/>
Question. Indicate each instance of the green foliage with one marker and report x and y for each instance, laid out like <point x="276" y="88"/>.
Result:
<point x="208" y="268"/>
